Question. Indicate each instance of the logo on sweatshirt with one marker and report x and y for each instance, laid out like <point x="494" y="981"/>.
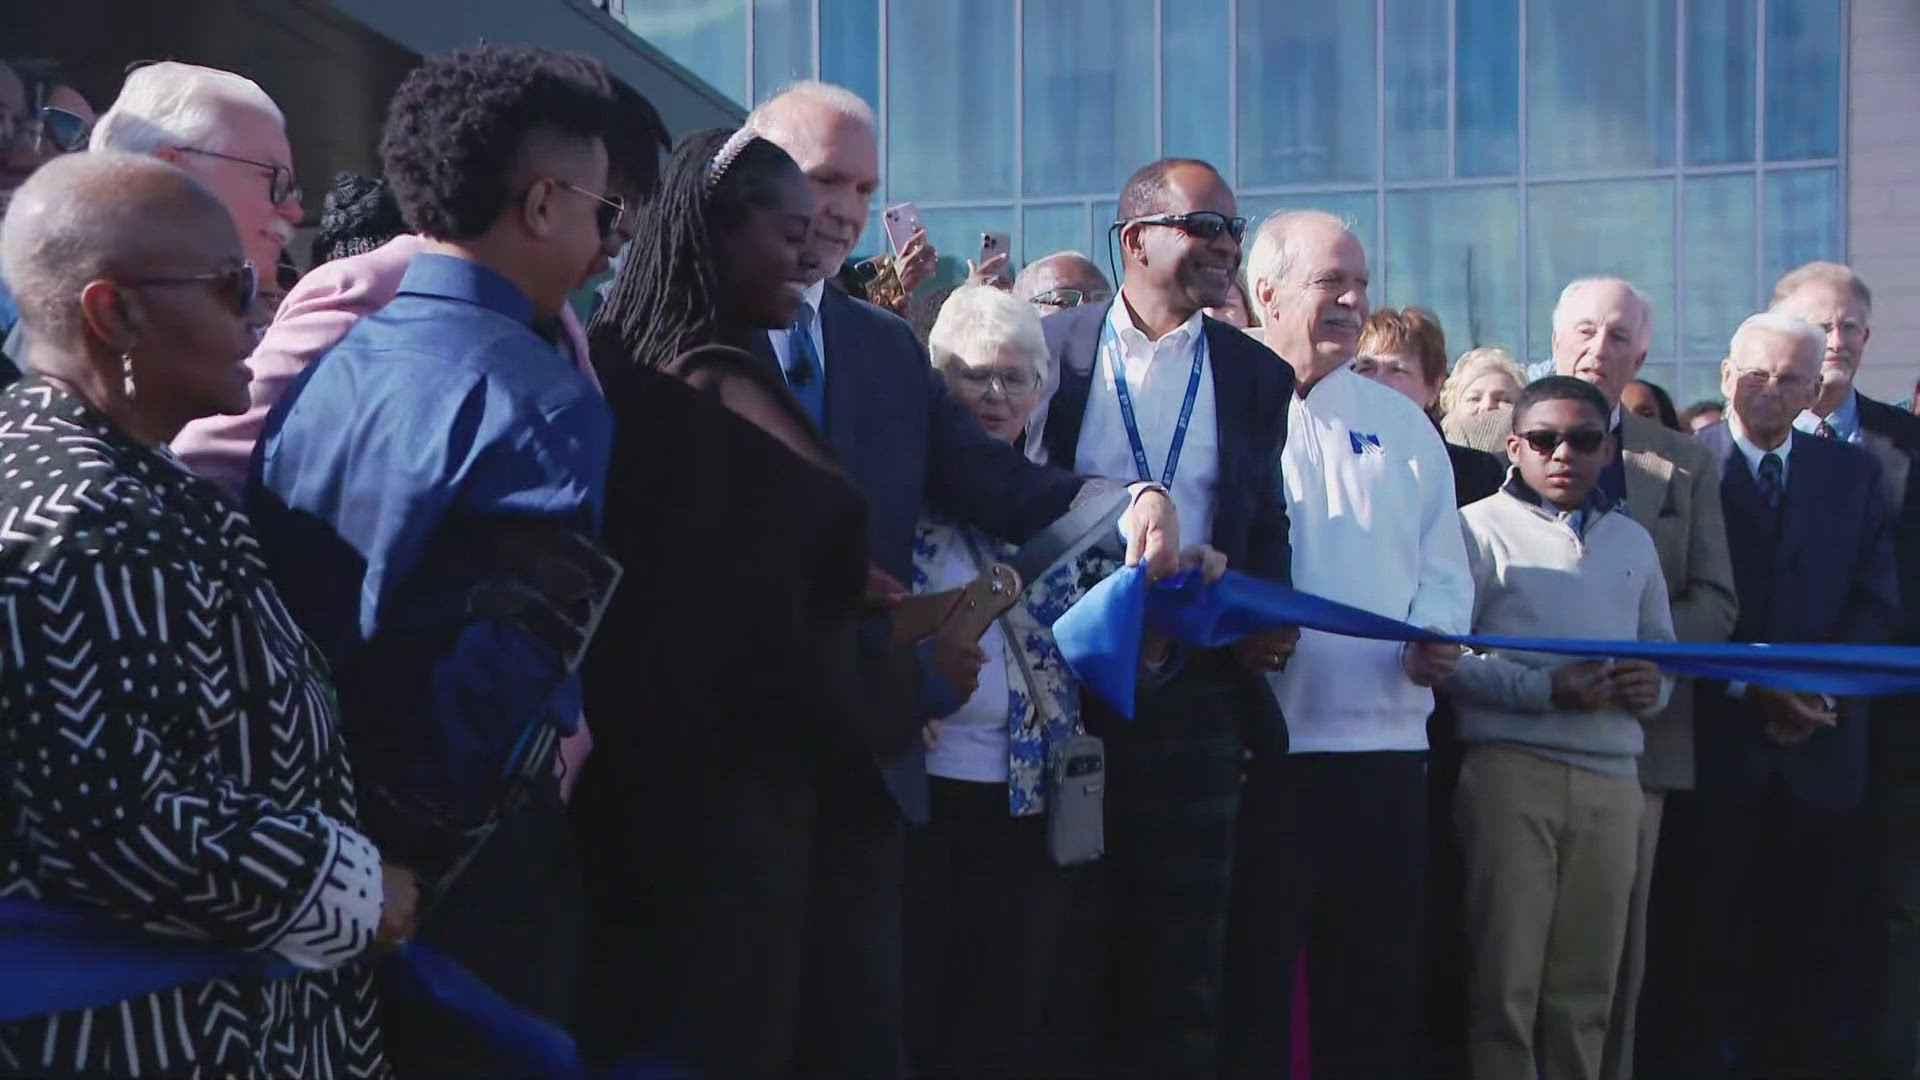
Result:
<point x="1364" y="443"/>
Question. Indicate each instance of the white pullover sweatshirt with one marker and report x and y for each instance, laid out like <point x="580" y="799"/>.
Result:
<point x="1369" y="492"/>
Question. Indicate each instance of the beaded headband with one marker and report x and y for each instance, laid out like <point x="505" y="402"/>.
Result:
<point x="723" y="160"/>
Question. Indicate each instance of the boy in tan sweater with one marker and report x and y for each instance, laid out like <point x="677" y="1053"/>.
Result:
<point x="1549" y="802"/>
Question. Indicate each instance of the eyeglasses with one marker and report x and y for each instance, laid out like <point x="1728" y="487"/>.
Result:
<point x="1583" y="441"/>
<point x="280" y="184"/>
<point x="236" y="286"/>
<point x="1199" y="224"/>
<point x="1756" y="380"/>
<point x="608" y="215"/>
<point x="977" y="381"/>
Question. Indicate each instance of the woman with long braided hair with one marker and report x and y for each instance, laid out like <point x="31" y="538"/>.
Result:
<point x="738" y="657"/>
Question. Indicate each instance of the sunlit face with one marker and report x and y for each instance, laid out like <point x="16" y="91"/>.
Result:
<point x="1322" y="299"/>
<point x="1600" y="334"/>
<point x="1001" y="390"/>
<point x="840" y="155"/>
<point x="1566" y="473"/>
<point x="1488" y="391"/>
<point x="1195" y="272"/>
<point x="1835" y="311"/>
<point x="1770" y="379"/>
<point x="246" y="189"/>
<point x="1401" y="371"/>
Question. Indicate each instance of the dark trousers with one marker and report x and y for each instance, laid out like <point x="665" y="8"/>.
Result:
<point x="985" y="908"/>
<point x="514" y="919"/>
<point x="750" y="925"/>
<point x="1442" y="1043"/>
<point x="1333" y="859"/>
<point x="1894" y="916"/>
<point x="1778" y="939"/>
<point x="1173" y="795"/>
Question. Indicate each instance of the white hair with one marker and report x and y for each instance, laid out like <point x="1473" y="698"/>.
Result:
<point x="1806" y="337"/>
<point x="174" y="104"/>
<point x="837" y="98"/>
<point x="1577" y="284"/>
<point x="1271" y="258"/>
<point x="978" y="322"/>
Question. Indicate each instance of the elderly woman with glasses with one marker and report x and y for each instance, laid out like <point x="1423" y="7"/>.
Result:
<point x="172" y="758"/>
<point x="987" y="894"/>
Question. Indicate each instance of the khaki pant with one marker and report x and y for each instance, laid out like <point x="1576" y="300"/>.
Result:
<point x="1617" y="1063"/>
<point x="1550" y="853"/>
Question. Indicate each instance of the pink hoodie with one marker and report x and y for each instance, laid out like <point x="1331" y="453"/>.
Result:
<point x="316" y="314"/>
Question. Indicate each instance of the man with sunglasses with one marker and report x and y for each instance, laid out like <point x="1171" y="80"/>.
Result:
<point x="224" y="131"/>
<point x="1369" y="491"/>
<point x="41" y="118"/>
<point x="1062" y="280"/>
<point x="1152" y="389"/>
<point x="1666" y="482"/>
<point x="1548" y="803"/>
<point x="422" y="491"/>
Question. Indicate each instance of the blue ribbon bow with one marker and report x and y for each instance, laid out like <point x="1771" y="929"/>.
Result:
<point x="1100" y="638"/>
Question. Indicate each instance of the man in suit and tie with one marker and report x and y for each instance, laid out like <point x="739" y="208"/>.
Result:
<point x="1782" y="774"/>
<point x="863" y="377"/>
<point x="1670" y="486"/>
<point x="1834" y="299"/>
<point x="1152" y="388"/>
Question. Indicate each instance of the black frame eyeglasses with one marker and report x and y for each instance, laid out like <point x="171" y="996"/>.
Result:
<point x="237" y="285"/>
<point x="1205" y="225"/>
<point x="608" y="215"/>
<point x="1582" y="441"/>
<point x="280" y="183"/>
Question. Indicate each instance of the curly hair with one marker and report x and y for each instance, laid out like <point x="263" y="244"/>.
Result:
<point x="667" y="297"/>
<point x="459" y="122"/>
<point x="358" y="215"/>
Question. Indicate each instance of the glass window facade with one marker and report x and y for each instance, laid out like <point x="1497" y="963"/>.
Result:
<point x="1487" y="151"/>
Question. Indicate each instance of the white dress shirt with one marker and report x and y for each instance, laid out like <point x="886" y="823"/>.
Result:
<point x="782" y="339"/>
<point x="1157" y="374"/>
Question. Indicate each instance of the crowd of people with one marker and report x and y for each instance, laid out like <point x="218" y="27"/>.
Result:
<point x="313" y="582"/>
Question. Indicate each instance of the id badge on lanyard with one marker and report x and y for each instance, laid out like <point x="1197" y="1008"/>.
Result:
<point x="1110" y="349"/>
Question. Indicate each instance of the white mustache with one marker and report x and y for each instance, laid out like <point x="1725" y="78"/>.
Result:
<point x="281" y="230"/>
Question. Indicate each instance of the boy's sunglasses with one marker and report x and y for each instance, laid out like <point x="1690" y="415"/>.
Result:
<point x="1584" y="441"/>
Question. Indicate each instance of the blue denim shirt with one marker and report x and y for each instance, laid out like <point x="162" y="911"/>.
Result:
<point x="432" y="419"/>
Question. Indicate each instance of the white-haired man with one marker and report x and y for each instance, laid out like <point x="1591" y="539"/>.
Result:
<point x="1834" y="299"/>
<point x="1782" y="774"/>
<point x="223" y="130"/>
<point x="1670" y="485"/>
<point x="1369" y="491"/>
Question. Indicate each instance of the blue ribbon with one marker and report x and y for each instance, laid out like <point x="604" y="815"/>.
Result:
<point x="56" y="958"/>
<point x="1100" y="638"/>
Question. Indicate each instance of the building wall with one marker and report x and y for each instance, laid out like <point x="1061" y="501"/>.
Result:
<point x="1883" y="187"/>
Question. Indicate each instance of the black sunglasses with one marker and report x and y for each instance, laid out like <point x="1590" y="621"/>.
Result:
<point x="1199" y="224"/>
<point x="236" y="286"/>
<point x="608" y="215"/>
<point x="280" y="184"/>
<point x="1584" y="441"/>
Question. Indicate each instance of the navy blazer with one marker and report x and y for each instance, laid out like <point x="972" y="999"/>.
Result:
<point x="1892" y="435"/>
<point x="907" y="444"/>
<point x="1252" y="390"/>
<point x="1824" y="573"/>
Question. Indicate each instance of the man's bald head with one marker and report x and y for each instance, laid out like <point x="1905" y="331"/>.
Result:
<point x="86" y="216"/>
<point x="1042" y="280"/>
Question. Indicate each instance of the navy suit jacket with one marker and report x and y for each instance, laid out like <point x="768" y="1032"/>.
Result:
<point x="907" y="445"/>
<point x="1252" y="389"/>
<point x="1824" y="573"/>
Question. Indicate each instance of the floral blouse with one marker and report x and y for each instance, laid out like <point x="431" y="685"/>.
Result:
<point x="1034" y="726"/>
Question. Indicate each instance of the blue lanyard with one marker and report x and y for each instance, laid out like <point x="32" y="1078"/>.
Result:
<point x="1118" y="369"/>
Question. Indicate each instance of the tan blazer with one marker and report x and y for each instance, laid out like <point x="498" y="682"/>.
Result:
<point x="1673" y="491"/>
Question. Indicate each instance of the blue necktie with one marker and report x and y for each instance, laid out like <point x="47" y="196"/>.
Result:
<point x="803" y="368"/>
<point x="1772" y="487"/>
